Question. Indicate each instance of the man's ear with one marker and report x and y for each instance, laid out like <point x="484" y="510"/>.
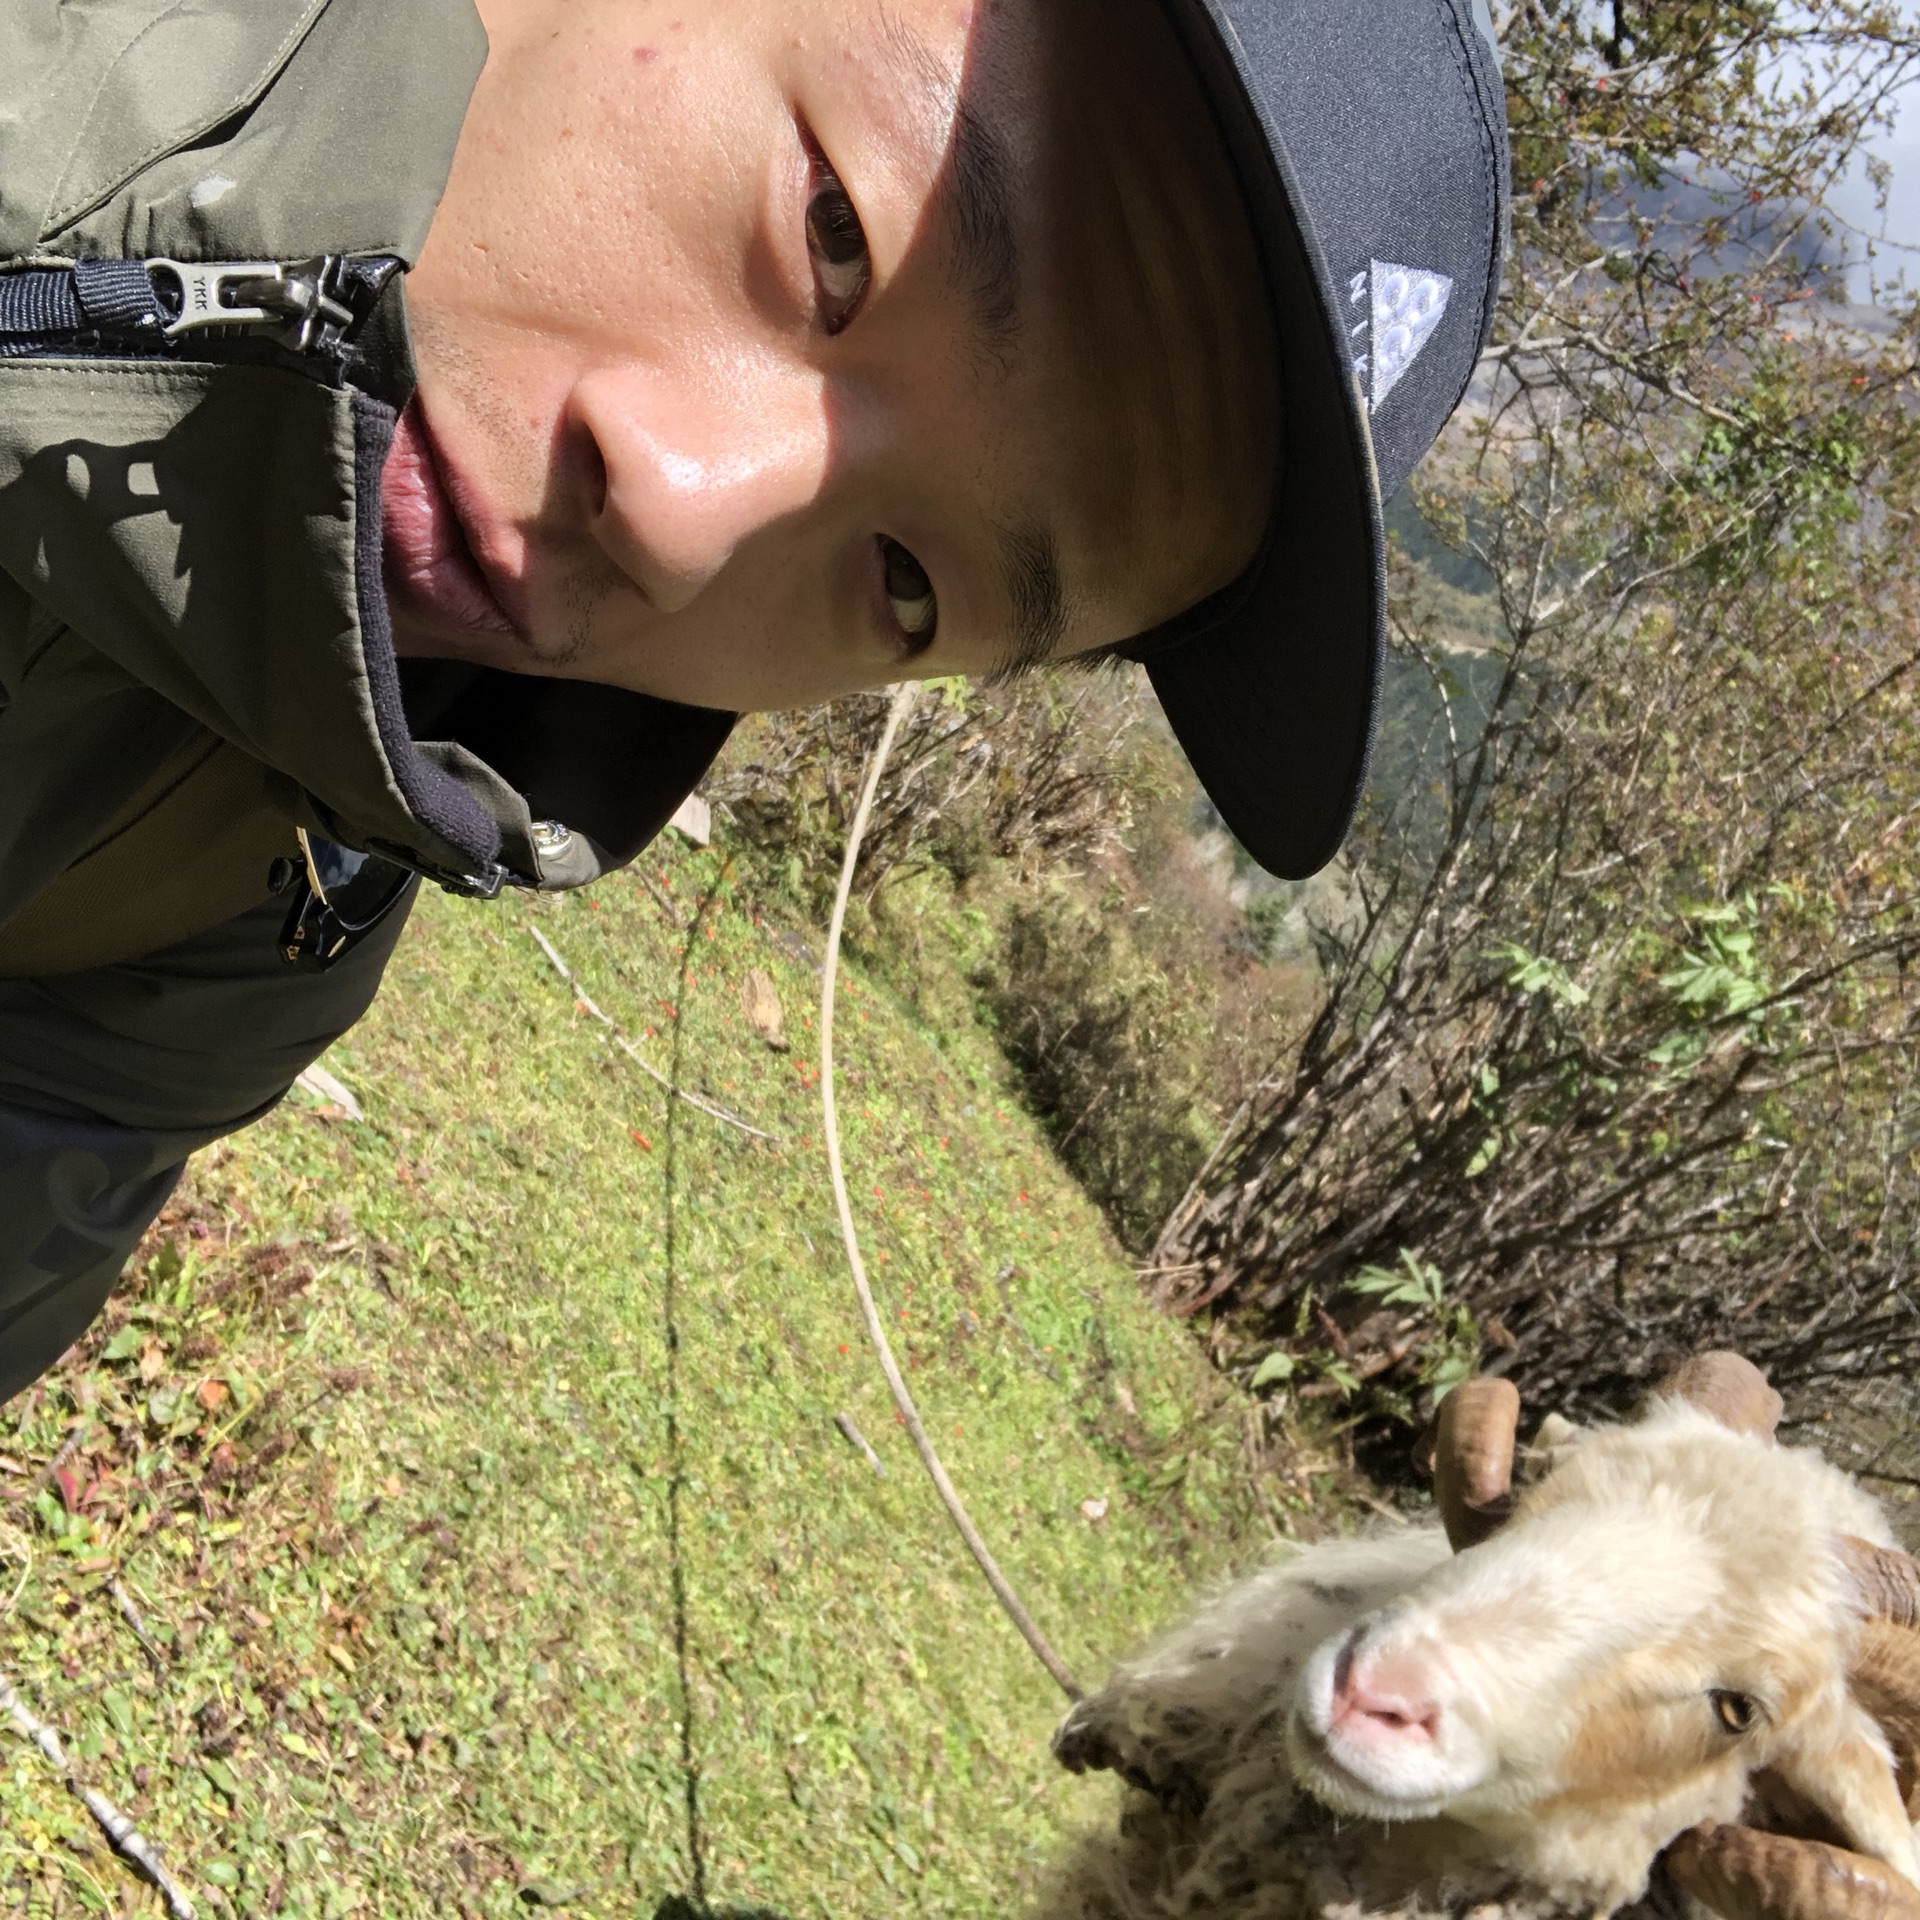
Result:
<point x="1845" y="1769"/>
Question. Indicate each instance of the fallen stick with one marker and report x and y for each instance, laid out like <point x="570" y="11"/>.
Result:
<point x="1010" y="1602"/>
<point x="65" y="1452"/>
<point x="661" y="901"/>
<point x="633" y="1053"/>
<point x="122" y="1835"/>
<point x="855" y="1438"/>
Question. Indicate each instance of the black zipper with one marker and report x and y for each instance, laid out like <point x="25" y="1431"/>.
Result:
<point x="302" y="313"/>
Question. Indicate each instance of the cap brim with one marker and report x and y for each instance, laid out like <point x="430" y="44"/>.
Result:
<point x="1273" y="699"/>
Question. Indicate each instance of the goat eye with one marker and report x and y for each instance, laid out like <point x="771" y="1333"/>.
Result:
<point x="1735" y="1711"/>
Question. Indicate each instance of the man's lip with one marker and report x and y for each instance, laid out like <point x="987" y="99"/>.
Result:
<point x="429" y="556"/>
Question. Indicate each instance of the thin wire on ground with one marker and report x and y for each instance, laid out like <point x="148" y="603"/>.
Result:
<point x="683" y="1654"/>
<point x="1015" y="1609"/>
<point x="588" y="1006"/>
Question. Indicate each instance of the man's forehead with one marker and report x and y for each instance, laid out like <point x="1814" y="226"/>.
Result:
<point x="1073" y="219"/>
<point x="975" y="200"/>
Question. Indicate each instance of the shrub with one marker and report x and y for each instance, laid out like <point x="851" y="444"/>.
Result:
<point x="1618" y="1042"/>
<point x="1038" y="775"/>
<point x="1106" y="1044"/>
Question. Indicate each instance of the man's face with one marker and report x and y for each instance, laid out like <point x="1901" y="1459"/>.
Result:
<point x="771" y="349"/>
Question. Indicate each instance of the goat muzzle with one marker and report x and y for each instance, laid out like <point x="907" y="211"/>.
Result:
<point x="1748" y="1875"/>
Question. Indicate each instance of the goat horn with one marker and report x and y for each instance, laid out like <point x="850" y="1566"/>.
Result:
<point x="1887" y="1582"/>
<point x="1885" y="1680"/>
<point x="1732" y="1389"/>
<point x="1748" y="1875"/>
<point x="1473" y="1459"/>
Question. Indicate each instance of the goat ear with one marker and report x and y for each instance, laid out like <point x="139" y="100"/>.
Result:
<point x="1849" y="1777"/>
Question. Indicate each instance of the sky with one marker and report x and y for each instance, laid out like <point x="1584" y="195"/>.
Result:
<point x="1900" y="148"/>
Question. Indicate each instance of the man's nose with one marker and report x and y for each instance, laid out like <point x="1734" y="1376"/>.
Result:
<point x="680" y="476"/>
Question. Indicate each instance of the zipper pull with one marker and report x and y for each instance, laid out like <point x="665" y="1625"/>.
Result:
<point x="297" y="304"/>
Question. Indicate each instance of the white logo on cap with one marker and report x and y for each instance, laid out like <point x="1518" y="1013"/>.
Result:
<point x="1400" y="308"/>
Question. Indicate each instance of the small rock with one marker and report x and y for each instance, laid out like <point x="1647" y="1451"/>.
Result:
<point x="1094" y="1510"/>
<point x="760" y="999"/>
<point x="694" y="818"/>
<point x="326" y="1089"/>
<point x="543" y="1893"/>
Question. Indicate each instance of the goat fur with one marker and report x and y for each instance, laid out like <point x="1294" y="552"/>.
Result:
<point x="1645" y="1567"/>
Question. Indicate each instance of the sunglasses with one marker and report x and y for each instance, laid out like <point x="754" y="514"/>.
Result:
<point x="342" y="897"/>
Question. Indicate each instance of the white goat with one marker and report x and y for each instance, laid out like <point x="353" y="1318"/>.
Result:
<point x="1674" y="1608"/>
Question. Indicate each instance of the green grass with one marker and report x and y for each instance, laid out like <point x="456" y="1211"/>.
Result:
<point x="473" y="1469"/>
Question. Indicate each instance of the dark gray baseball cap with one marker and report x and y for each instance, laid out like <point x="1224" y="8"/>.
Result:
<point x="1371" y="145"/>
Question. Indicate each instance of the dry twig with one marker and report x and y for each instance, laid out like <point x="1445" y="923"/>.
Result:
<point x="131" y="1615"/>
<point x="122" y="1835"/>
<point x="1016" y="1611"/>
<point x="858" y="1441"/>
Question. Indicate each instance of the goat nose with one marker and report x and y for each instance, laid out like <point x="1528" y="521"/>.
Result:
<point x="1380" y="1702"/>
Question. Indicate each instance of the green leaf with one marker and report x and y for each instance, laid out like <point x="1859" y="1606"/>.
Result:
<point x="1342" y="1375"/>
<point x="1277" y="1366"/>
<point x="1538" y="973"/>
<point x="126" y="1343"/>
<point x="1413" y="1284"/>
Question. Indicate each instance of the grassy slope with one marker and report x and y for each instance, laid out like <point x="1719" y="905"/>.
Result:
<point x="473" y="1470"/>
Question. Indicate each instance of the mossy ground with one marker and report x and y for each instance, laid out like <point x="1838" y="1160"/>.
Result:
<point x="472" y="1469"/>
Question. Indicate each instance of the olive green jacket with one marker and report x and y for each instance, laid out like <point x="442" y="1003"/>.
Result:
<point x="194" y="652"/>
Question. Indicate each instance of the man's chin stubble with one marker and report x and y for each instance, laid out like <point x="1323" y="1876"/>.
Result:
<point x="582" y="593"/>
<point x="557" y="656"/>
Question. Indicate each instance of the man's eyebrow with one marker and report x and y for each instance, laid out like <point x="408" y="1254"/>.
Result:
<point x="1030" y="562"/>
<point x="978" y="193"/>
<point x="976" y="189"/>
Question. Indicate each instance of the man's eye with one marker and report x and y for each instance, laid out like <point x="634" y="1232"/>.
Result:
<point x="842" y="266"/>
<point x="910" y="594"/>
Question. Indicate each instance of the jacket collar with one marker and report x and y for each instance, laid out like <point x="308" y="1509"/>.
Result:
<point x="213" y="526"/>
